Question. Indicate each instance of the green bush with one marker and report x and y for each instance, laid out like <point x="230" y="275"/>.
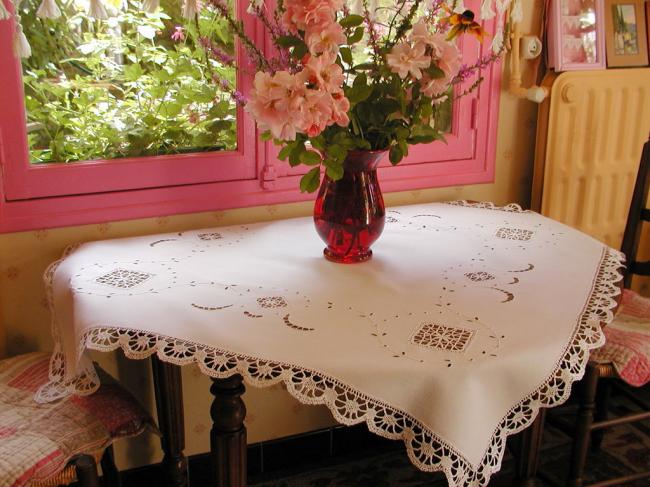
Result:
<point x="123" y="87"/>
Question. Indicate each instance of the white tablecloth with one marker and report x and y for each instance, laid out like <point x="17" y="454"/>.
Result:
<point x="466" y="321"/>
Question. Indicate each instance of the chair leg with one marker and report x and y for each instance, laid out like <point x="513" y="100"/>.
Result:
<point x="603" y="392"/>
<point x="586" y="399"/>
<point x="110" y="475"/>
<point x="86" y="469"/>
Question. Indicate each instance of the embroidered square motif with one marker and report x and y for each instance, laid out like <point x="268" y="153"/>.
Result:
<point x="123" y="278"/>
<point x="443" y="337"/>
<point x="272" y="302"/>
<point x="210" y="236"/>
<point x="514" y="234"/>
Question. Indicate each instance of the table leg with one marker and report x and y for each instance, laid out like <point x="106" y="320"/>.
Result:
<point x="228" y="434"/>
<point x="528" y="458"/>
<point x="168" y="388"/>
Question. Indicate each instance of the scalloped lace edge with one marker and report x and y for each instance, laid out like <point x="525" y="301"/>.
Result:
<point x="425" y="449"/>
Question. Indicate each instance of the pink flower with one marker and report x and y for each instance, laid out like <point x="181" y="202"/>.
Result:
<point x="178" y="34"/>
<point x="325" y="38"/>
<point x="274" y="102"/>
<point x="420" y="33"/>
<point x="315" y="112"/>
<point x="301" y="14"/>
<point x="340" y="109"/>
<point x="323" y="72"/>
<point x="447" y="58"/>
<point x="404" y="59"/>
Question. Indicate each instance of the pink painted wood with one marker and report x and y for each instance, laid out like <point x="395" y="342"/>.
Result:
<point x="63" y="195"/>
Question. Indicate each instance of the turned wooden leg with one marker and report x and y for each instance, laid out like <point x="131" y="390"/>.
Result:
<point x="168" y="388"/>
<point x="530" y="447"/>
<point x="110" y="475"/>
<point x="86" y="470"/>
<point x="228" y="434"/>
<point x="587" y="396"/>
<point x="603" y="392"/>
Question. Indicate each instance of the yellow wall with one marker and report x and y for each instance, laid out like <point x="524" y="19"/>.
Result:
<point x="272" y="412"/>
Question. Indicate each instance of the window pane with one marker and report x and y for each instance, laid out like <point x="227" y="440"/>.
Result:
<point x="135" y="84"/>
<point x="387" y="17"/>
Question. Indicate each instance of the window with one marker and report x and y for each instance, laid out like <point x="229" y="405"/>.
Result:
<point x="116" y="119"/>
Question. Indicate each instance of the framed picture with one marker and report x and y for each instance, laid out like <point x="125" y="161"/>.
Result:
<point x="576" y="35"/>
<point x="625" y="33"/>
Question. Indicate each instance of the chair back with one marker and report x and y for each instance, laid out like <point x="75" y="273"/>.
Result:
<point x="639" y="212"/>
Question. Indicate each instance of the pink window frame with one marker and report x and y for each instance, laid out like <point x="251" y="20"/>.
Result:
<point x="33" y="197"/>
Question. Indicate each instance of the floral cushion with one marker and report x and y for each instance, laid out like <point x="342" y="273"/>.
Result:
<point x="38" y="440"/>
<point x="628" y="340"/>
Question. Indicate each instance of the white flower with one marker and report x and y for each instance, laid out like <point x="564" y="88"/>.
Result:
<point x="150" y="6"/>
<point x="190" y="9"/>
<point x="96" y="10"/>
<point x="48" y="10"/>
<point x="22" y="48"/>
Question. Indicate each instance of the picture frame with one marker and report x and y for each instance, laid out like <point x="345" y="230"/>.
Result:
<point x="576" y="35"/>
<point x="626" y="36"/>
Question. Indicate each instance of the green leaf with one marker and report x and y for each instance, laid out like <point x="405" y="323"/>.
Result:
<point x="299" y="51"/>
<point x="289" y="41"/>
<point x="296" y="152"/>
<point x="266" y="136"/>
<point x="346" y="55"/>
<point x="395" y="154"/>
<point x="285" y="152"/>
<point x="310" y="158"/>
<point x="310" y="181"/>
<point x="357" y="36"/>
<point x="351" y="20"/>
<point x="334" y="171"/>
<point x="435" y="72"/>
<point x="170" y="109"/>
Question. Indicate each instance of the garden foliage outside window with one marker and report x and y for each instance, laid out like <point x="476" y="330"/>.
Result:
<point x="131" y="84"/>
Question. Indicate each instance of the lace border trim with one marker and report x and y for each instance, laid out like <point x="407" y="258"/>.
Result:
<point x="425" y="449"/>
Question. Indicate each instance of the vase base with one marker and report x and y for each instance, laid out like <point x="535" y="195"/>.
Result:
<point x="347" y="258"/>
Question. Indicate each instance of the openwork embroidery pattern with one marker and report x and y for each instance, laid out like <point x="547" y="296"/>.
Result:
<point x="272" y="302"/>
<point x="123" y="278"/>
<point x="479" y="276"/>
<point x="425" y="449"/>
<point x="443" y="337"/>
<point x="514" y="234"/>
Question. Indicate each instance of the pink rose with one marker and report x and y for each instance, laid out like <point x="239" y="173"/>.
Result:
<point x="323" y="72"/>
<point x="325" y="38"/>
<point x="404" y="59"/>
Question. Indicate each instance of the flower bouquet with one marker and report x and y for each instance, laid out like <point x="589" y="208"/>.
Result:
<point x="346" y="83"/>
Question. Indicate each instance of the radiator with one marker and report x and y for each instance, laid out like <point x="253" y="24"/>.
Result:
<point x="589" y="138"/>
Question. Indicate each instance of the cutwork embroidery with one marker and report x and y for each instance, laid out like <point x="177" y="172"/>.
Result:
<point x="123" y="278"/>
<point x="210" y="236"/>
<point x="514" y="234"/>
<point x="443" y="337"/>
<point x="479" y="276"/>
<point x="272" y="302"/>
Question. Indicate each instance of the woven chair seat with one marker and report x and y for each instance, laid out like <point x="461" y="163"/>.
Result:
<point x="627" y="350"/>
<point x="37" y="441"/>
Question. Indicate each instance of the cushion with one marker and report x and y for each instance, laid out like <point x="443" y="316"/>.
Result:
<point x="38" y="440"/>
<point x="628" y="340"/>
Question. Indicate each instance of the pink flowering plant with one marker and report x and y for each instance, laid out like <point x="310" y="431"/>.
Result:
<point x="366" y="77"/>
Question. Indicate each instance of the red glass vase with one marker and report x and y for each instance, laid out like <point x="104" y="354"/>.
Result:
<point x="349" y="213"/>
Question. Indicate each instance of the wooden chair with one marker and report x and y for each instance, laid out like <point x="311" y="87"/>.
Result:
<point x="46" y="445"/>
<point x="593" y="392"/>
